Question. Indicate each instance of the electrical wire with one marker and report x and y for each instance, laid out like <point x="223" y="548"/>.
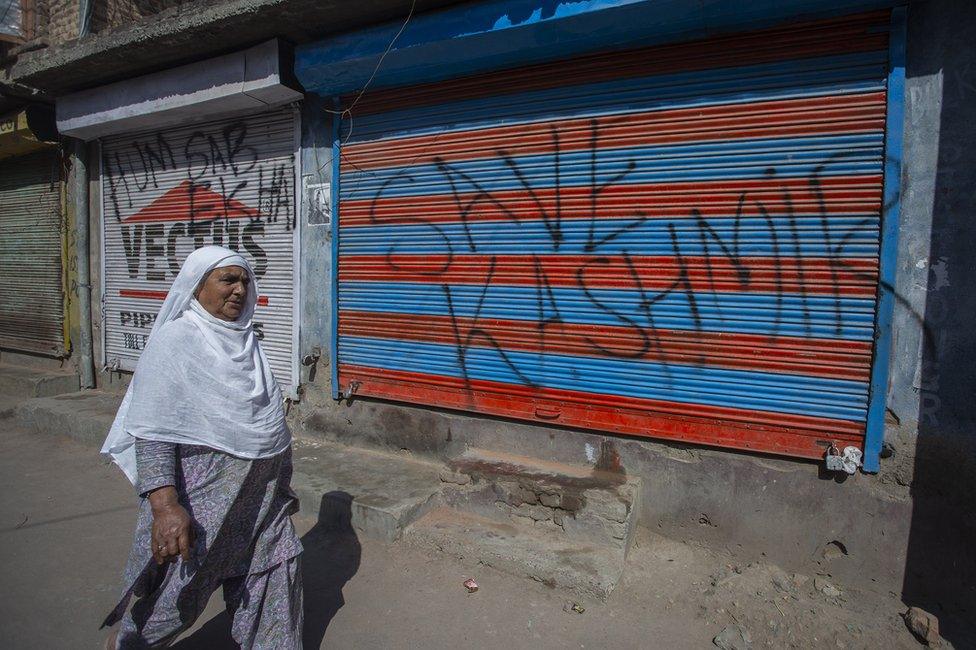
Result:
<point x="348" y="110"/>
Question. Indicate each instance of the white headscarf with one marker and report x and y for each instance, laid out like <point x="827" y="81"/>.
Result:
<point x="201" y="380"/>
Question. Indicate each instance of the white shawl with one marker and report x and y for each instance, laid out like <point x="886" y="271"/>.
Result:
<point x="201" y="380"/>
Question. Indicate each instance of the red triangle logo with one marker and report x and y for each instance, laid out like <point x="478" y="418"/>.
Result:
<point x="190" y="201"/>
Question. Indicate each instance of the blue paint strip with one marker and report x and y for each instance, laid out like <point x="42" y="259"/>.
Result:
<point x="485" y="36"/>
<point x="812" y="396"/>
<point x="874" y="436"/>
<point x="763" y="314"/>
<point x="735" y="159"/>
<point x="707" y="153"/>
<point x="334" y="199"/>
<point x="800" y="236"/>
<point x="834" y="75"/>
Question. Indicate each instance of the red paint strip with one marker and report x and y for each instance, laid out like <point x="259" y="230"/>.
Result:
<point x="831" y="195"/>
<point x="843" y="35"/>
<point x="191" y="203"/>
<point x="833" y="358"/>
<point x="794" y="275"/>
<point x="832" y="114"/>
<point x="161" y="295"/>
<point x="143" y="293"/>
<point x="761" y="431"/>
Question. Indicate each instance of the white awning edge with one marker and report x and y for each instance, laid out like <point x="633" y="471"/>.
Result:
<point x="242" y="81"/>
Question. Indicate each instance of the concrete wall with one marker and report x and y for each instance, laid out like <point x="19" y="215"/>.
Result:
<point x="933" y="374"/>
<point x="932" y="386"/>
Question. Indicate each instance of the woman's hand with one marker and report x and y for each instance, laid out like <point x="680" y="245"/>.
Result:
<point x="172" y="529"/>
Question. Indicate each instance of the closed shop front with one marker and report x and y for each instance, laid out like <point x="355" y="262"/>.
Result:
<point x="31" y="243"/>
<point x="164" y="193"/>
<point x="678" y="242"/>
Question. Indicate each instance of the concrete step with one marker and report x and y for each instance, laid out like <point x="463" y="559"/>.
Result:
<point x="382" y="493"/>
<point x="24" y="382"/>
<point x="524" y="551"/>
<point x="85" y="416"/>
<point x="585" y="504"/>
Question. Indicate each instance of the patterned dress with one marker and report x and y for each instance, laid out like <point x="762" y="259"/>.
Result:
<point x="244" y="542"/>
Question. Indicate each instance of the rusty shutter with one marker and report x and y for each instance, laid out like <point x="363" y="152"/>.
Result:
<point x="31" y="296"/>
<point x="166" y="193"/>
<point x="677" y="242"/>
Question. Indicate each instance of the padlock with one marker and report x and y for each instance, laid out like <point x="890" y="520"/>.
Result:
<point x="835" y="462"/>
<point x="847" y="462"/>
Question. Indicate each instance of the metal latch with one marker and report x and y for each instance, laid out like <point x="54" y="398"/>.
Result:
<point x="847" y="462"/>
<point x="313" y="358"/>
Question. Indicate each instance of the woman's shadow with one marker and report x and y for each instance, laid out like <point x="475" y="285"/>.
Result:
<point x="331" y="558"/>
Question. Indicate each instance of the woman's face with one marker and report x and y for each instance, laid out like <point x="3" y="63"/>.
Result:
<point x="223" y="292"/>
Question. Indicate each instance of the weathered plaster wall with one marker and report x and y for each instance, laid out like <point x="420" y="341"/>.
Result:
<point x="932" y="373"/>
<point x="316" y="237"/>
<point x="934" y="383"/>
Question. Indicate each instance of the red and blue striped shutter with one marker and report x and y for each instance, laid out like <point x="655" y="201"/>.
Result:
<point x="676" y="242"/>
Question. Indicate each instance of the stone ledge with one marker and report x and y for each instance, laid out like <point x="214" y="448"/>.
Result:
<point x="383" y="492"/>
<point x="24" y="382"/>
<point x="85" y="416"/>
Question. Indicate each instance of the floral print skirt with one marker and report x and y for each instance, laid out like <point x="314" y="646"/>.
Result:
<point x="244" y="542"/>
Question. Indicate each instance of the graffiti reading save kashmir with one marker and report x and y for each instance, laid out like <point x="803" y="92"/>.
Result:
<point x="787" y="272"/>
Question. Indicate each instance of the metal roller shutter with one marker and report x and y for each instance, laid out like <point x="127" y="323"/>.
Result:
<point x="678" y="242"/>
<point x="165" y="193"/>
<point x="31" y="246"/>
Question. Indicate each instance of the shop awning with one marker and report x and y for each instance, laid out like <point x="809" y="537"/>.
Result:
<point x="252" y="79"/>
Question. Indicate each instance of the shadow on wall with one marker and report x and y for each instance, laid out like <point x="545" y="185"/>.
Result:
<point x="940" y="572"/>
<point x="331" y="558"/>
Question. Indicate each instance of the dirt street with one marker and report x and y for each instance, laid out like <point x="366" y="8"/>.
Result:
<point x="66" y="518"/>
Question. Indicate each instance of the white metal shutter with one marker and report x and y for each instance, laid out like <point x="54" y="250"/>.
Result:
<point x="165" y="193"/>
<point x="31" y="296"/>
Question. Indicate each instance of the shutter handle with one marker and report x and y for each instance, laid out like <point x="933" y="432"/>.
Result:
<point x="547" y="413"/>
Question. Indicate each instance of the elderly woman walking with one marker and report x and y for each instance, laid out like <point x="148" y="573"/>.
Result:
<point x="201" y="433"/>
